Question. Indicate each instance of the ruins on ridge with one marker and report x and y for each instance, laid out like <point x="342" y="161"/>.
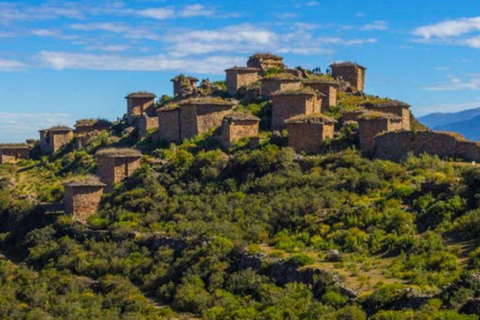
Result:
<point x="306" y="132"/>
<point x="371" y="124"/>
<point x="265" y="62"/>
<point x="290" y="103"/>
<point x="279" y="82"/>
<point x="238" y="77"/>
<point x="350" y="72"/>
<point x="327" y="88"/>
<point x="82" y="197"/>
<point x="184" y="85"/>
<point x="116" y="164"/>
<point x="237" y="126"/>
<point x="138" y="103"/>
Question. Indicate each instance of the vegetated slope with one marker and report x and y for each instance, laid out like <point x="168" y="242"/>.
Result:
<point x="443" y="118"/>
<point x="469" y="128"/>
<point x="178" y="230"/>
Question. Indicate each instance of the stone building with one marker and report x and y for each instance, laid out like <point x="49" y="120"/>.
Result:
<point x="145" y="123"/>
<point x="82" y="197"/>
<point x="11" y="153"/>
<point x="55" y="138"/>
<point x="395" y="107"/>
<point x="114" y="165"/>
<point x="265" y="61"/>
<point x="238" y="77"/>
<point x="184" y="86"/>
<point x="349" y="116"/>
<point x="138" y="103"/>
<point x="327" y="88"/>
<point x="291" y="103"/>
<point x="306" y="132"/>
<point x="91" y="125"/>
<point x="371" y="124"/>
<point x="350" y="72"/>
<point x="236" y="126"/>
<point x="279" y="82"/>
<point x="192" y="117"/>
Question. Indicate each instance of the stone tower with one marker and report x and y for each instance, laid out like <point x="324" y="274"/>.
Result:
<point x="82" y="197"/>
<point x="350" y="72"/>
<point x="138" y="103"/>
<point x="116" y="164"/>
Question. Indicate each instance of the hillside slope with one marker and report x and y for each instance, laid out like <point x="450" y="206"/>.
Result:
<point x="469" y="128"/>
<point x="441" y="119"/>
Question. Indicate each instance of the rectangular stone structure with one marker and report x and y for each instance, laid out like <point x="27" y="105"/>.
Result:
<point x="288" y="104"/>
<point x="11" y="153"/>
<point x="145" y="123"/>
<point x="238" y="77"/>
<point x="351" y="72"/>
<point x="281" y="82"/>
<point x="138" y="103"/>
<point x="184" y="85"/>
<point x="236" y="126"/>
<point x="327" y="88"/>
<point x="91" y="125"/>
<point x="371" y="124"/>
<point x="51" y="140"/>
<point x="265" y="61"/>
<point x="114" y="165"/>
<point x="306" y="132"/>
<point x="395" y="107"/>
<point x="82" y="198"/>
<point x="169" y="123"/>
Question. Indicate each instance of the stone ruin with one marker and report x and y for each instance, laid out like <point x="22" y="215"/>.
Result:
<point x="266" y="62"/>
<point x="306" y="132"/>
<point x="184" y="86"/>
<point x="395" y="107"/>
<point x="88" y="129"/>
<point x="54" y="138"/>
<point x="326" y="87"/>
<point x="116" y="164"/>
<point x="11" y="153"/>
<point x="82" y="197"/>
<point x="145" y="124"/>
<point x="371" y="124"/>
<point x="238" y="77"/>
<point x="139" y="103"/>
<point x="279" y="82"/>
<point x="350" y="72"/>
<point x="290" y="103"/>
<point x="236" y="126"/>
<point x="192" y="117"/>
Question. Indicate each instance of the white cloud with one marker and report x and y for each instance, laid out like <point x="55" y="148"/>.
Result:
<point x="128" y="32"/>
<point x="375" y="25"/>
<point x="457" y="84"/>
<point x="11" y="65"/>
<point x="12" y="122"/>
<point x="81" y="61"/>
<point x="312" y="3"/>
<point x="157" y="13"/>
<point x="196" y="10"/>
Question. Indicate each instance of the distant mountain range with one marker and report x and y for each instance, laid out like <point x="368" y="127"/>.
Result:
<point x="465" y="122"/>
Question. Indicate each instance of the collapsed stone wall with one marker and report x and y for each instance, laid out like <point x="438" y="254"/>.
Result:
<point x="397" y="145"/>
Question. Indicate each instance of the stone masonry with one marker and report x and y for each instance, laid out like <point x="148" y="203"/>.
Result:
<point x="306" y="132"/>
<point x="327" y="88"/>
<point x="350" y="72"/>
<point x="54" y="138"/>
<point x="82" y="198"/>
<point x="236" y="126"/>
<point x="395" y="107"/>
<point x="265" y="61"/>
<point x="371" y="124"/>
<point x="281" y="82"/>
<point x="138" y="103"/>
<point x="238" y="77"/>
<point x="145" y="123"/>
<point x="11" y="153"/>
<point x="183" y="85"/>
<point x="288" y="104"/>
<point x="169" y="123"/>
<point x="114" y="165"/>
<point x="91" y="125"/>
<point x="397" y="145"/>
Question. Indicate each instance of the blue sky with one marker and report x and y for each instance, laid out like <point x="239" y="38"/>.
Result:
<point x="66" y="60"/>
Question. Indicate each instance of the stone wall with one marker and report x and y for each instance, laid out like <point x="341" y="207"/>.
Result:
<point x="184" y="86"/>
<point x="138" y="105"/>
<point x="239" y="77"/>
<point x="169" y="125"/>
<point x="351" y="115"/>
<point x="12" y="155"/>
<point x="265" y="62"/>
<point x="369" y="128"/>
<point x="287" y="106"/>
<point x="397" y="145"/>
<point x="210" y="117"/>
<point x="146" y="123"/>
<point x="269" y="86"/>
<point x="328" y="89"/>
<point x="82" y="201"/>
